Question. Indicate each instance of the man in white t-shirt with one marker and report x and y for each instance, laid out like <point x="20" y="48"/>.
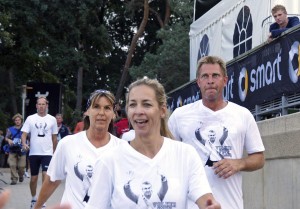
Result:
<point x="43" y="140"/>
<point x="219" y="130"/>
<point x="147" y="198"/>
<point x="86" y="179"/>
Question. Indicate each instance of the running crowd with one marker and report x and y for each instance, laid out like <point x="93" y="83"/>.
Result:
<point x="140" y="156"/>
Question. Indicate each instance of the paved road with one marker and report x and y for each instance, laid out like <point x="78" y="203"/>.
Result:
<point x="20" y="193"/>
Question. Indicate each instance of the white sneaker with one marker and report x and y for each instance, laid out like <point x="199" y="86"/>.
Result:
<point x="44" y="206"/>
<point x="32" y="204"/>
<point x="26" y="174"/>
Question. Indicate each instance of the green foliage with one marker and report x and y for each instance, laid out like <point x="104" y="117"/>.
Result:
<point x="6" y="121"/>
<point x="170" y="62"/>
<point x="6" y="38"/>
<point x="48" y="41"/>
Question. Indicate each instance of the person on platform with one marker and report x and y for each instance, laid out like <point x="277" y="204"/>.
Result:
<point x="282" y="22"/>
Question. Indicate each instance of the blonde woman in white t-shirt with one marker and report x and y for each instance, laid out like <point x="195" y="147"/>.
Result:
<point x="153" y="171"/>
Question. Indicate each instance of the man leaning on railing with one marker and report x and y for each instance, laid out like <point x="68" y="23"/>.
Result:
<point x="282" y="22"/>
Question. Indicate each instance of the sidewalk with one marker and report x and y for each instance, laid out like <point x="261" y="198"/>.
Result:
<point x="20" y="193"/>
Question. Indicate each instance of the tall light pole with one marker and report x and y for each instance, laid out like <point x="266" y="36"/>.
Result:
<point x="24" y="95"/>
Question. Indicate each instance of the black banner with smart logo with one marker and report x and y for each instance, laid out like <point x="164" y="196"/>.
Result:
<point x="264" y="74"/>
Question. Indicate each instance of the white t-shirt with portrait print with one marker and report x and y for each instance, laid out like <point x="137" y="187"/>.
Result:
<point x="132" y="180"/>
<point x="74" y="160"/>
<point x="217" y="135"/>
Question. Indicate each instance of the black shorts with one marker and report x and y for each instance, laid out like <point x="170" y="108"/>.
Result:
<point x="36" y="161"/>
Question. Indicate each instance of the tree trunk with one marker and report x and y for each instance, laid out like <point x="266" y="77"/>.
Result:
<point x="162" y="23"/>
<point x="13" y="98"/>
<point x="79" y="90"/>
<point x="132" y="50"/>
<point x="167" y="12"/>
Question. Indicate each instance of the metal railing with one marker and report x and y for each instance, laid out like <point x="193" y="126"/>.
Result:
<point x="265" y="25"/>
<point x="287" y="104"/>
